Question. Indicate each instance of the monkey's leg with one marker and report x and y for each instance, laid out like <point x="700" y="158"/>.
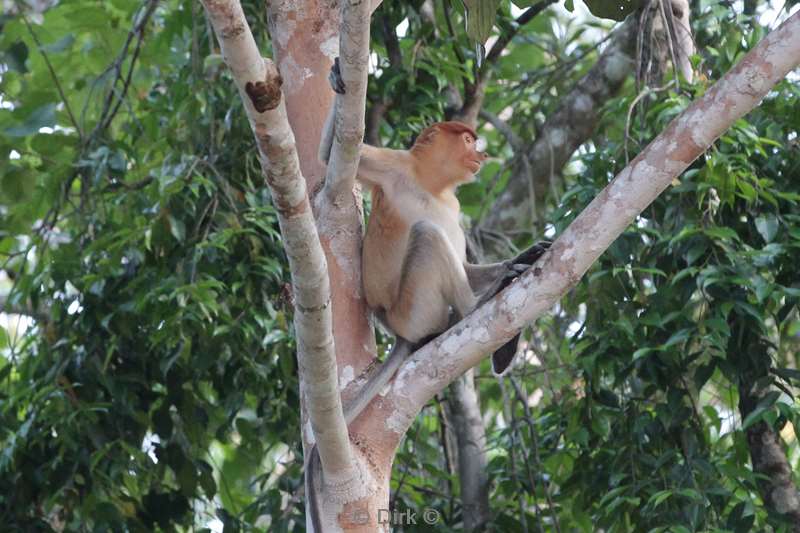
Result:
<point x="432" y="280"/>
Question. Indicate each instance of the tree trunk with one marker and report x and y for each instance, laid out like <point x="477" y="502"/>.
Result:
<point x="769" y="460"/>
<point x="465" y="414"/>
<point x="305" y="37"/>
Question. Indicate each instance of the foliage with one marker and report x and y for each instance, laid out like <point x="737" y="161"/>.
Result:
<point x="687" y="312"/>
<point x="158" y="376"/>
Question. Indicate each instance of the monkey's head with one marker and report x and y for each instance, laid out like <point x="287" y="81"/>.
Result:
<point x="447" y="150"/>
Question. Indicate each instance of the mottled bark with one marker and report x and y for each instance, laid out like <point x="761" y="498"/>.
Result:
<point x="305" y="37"/>
<point x="259" y="86"/>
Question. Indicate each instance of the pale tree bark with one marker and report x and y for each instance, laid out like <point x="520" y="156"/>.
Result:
<point x="255" y="76"/>
<point x="305" y="37"/>
<point x="473" y="474"/>
<point x="259" y="85"/>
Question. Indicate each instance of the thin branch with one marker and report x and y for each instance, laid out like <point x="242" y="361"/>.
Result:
<point x="452" y="33"/>
<point x="505" y="130"/>
<point x="340" y="176"/>
<point x="506" y="37"/>
<point x="107" y="114"/>
<point x="259" y="83"/>
<point x="52" y="72"/>
<point x="392" y="44"/>
<point x="523" y="399"/>
<point x="134" y="186"/>
<point x="670" y="36"/>
<point x="646" y="91"/>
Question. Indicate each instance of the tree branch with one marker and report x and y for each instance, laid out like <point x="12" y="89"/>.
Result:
<point x="258" y="82"/>
<point x="353" y="60"/>
<point x="505" y="38"/>
<point x="52" y="73"/>
<point x="107" y="114"/>
<point x="431" y="368"/>
<point x="566" y="129"/>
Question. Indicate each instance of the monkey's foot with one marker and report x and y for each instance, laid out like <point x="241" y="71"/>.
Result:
<point x="532" y="254"/>
<point x="335" y="78"/>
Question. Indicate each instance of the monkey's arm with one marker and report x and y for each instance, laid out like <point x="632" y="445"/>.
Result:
<point x="376" y="164"/>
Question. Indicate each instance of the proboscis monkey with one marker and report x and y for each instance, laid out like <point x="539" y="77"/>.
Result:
<point x="416" y="278"/>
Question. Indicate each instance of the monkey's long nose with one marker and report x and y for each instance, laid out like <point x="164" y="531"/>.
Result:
<point x="484" y="156"/>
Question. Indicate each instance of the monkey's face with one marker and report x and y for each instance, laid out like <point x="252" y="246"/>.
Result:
<point x="468" y="155"/>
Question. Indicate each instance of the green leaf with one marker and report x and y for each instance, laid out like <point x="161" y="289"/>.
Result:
<point x="764" y="405"/>
<point x="642" y="352"/>
<point x="177" y="228"/>
<point x="44" y="116"/>
<point x="612" y="9"/>
<point x="767" y="226"/>
<point x="480" y="18"/>
<point x="721" y="232"/>
<point x="789" y="374"/>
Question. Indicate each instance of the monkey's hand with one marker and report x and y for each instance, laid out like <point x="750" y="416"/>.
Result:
<point x="524" y="260"/>
<point x="335" y="78"/>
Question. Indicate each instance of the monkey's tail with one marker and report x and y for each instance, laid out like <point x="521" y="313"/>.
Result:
<point x="402" y="349"/>
<point x="314" y="471"/>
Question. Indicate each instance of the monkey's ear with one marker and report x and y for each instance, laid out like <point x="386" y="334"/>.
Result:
<point x="426" y="136"/>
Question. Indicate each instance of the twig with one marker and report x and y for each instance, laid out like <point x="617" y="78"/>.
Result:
<point x="644" y="92"/>
<point x="535" y="440"/>
<point x="107" y="114"/>
<point x="52" y="72"/>
<point x="452" y="33"/>
<point x="669" y="30"/>
<point x="503" y="40"/>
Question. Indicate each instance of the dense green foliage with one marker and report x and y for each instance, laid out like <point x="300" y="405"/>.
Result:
<point x="147" y="370"/>
<point x="157" y="271"/>
<point x="695" y="304"/>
